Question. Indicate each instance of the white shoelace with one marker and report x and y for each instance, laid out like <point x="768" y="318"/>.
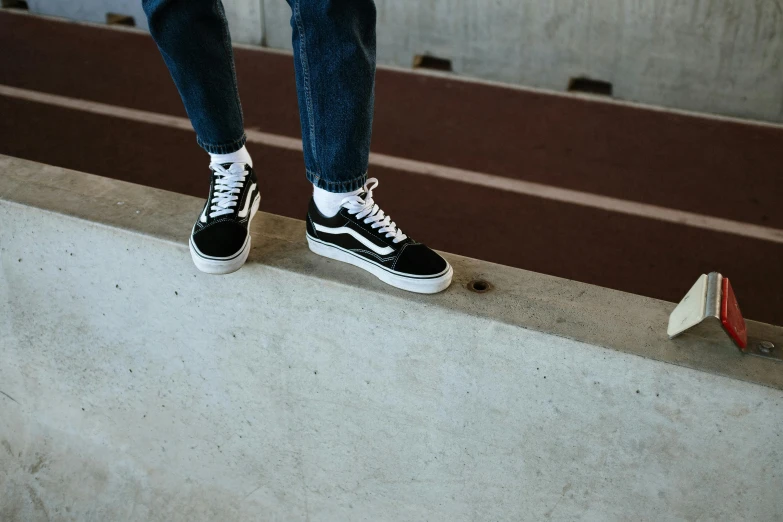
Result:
<point x="228" y="183"/>
<point x="367" y="209"/>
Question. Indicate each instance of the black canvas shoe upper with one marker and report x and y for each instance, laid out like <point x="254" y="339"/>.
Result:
<point x="379" y="242"/>
<point x="222" y="229"/>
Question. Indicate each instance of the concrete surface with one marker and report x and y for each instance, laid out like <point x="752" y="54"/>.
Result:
<point x="716" y="56"/>
<point x="133" y="387"/>
<point x="245" y="18"/>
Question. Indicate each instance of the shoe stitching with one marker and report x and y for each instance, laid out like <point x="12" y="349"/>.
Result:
<point x="400" y="255"/>
<point x="312" y="225"/>
<point x="379" y="258"/>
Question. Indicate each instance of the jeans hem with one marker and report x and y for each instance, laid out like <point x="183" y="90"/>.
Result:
<point x="223" y="148"/>
<point x="336" y="187"/>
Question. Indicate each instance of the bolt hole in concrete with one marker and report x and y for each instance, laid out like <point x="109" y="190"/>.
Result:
<point x="120" y="19"/>
<point x="766" y="346"/>
<point x="590" y="86"/>
<point x="479" y="286"/>
<point x="425" y="61"/>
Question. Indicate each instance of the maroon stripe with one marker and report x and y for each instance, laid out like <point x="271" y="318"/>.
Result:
<point x="701" y="165"/>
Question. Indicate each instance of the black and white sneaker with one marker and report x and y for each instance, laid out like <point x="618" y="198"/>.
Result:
<point x="220" y="240"/>
<point x="362" y="235"/>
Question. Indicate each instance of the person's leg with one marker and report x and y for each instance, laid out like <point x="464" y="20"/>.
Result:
<point x="334" y="57"/>
<point x="193" y="39"/>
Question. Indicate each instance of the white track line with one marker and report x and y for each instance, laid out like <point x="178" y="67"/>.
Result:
<point x="527" y="188"/>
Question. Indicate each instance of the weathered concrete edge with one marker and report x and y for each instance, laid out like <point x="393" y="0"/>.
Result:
<point x="565" y="308"/>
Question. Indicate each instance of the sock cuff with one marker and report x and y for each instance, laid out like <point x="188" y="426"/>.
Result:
<point x="328" y="203"/>
<point x="239" y="156"/>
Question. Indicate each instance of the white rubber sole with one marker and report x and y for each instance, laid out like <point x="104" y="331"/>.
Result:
<point x="224" y="265"/>
<point x="420" y="285"/>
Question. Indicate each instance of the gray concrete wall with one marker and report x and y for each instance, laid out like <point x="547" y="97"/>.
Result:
<point x="133" y="387"/>
<point x="90" y="10"/>
<point x="244" y="16"/>
<point x="715" y="56"/>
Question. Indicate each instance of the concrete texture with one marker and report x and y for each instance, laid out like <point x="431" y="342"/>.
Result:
<point x="583" y="312"/>
<point x="716" y="56"/>
<point x="244" y="16"/>
<point x="135" y="388"/>
<point x="90" y="10"/>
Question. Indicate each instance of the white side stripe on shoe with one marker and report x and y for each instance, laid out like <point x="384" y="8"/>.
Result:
<point x="361" y="239"/>
<point x="248" y="201"/>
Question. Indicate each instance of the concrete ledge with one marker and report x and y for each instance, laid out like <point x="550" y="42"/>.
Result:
<point x="578" y="311"/>
<point x="134" y="388"/>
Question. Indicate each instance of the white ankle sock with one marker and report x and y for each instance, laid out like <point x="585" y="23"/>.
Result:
<point x="328" y="203"/>
<point x="239" y="156"/>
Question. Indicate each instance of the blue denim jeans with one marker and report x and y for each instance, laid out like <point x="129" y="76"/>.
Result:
<point x="334" y="59"/>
